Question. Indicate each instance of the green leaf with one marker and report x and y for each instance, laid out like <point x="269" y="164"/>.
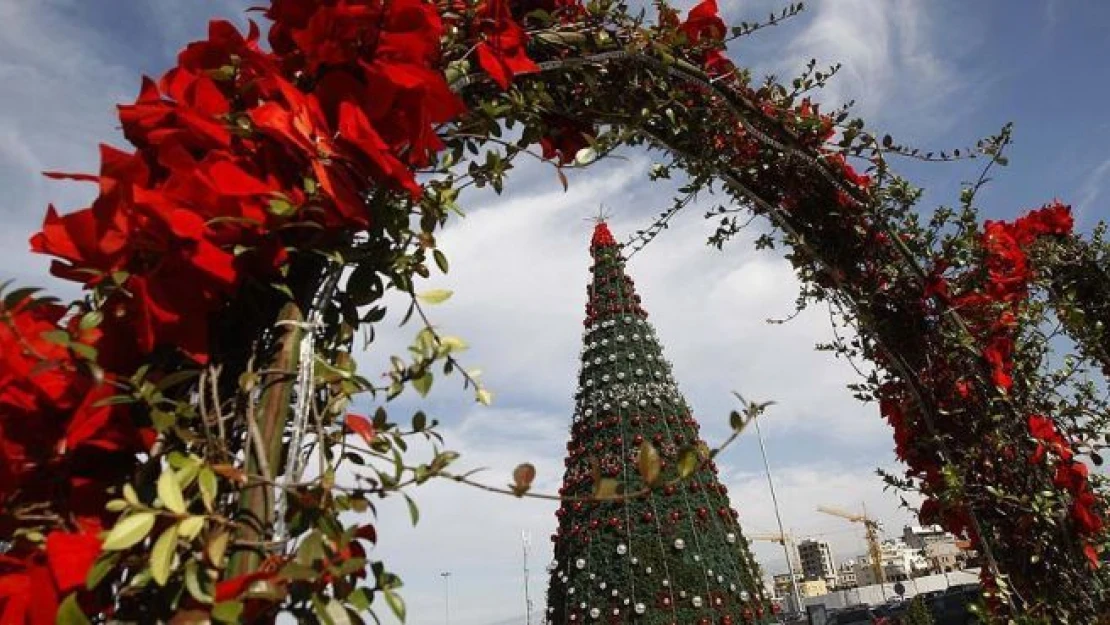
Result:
<point x="281" y="207"/>
<point x="195" y="584"/>
<point x="161" y="556"/>
<point x="311" y="549"/>
<point x="453" y="344"/>
<point x="364" y="286"/>
<point x="423" y="384"/>
<point x="217" y="547"/>
<point x="435" y="296"/>
<point x="70" y="613"/>
<point x="687" y="462"/>
<point x="13" y="299"/>
<point x="91" y="319"/>
<point x="100" y="569"/>
<point x="414" y="512"/>
<point x="441" y="260"/>
<point x="395" y="603"/>
<point x="336" y="613"/>
<point x="294" y="571"/>
<point x="209" y="487"/>
<point x="177" y="377"/>
<point x="585" y="156"/>
<point x="649" y="463"/>
<point x="191" y="527"/>
<point x="227" y="611"/>
<point x="361" y="599"/>
<point x="419" y="421"/>
<point x="187" y="471"/>
<point x="169" y="491"/>
<point x="58" y="337"/>
<point x="129" y="531"/>
<point x="485" y="397"/>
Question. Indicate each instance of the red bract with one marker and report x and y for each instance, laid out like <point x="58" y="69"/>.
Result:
<point x="564" y="139"/>
<point x="703" y="23"/>
<point x="502" y="52"/>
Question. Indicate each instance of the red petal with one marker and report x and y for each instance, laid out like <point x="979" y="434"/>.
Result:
<point x="232" y="588"/>
<point x="489" y="61"/>
<point x="70" y="556"/>
<point x="361" y="425"/>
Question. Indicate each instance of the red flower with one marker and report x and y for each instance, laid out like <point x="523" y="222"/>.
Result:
<point x="502" y="53"/>
<point x="1083" y="513"/>
<point x="69" y="557"/>
<point x="703" y="22"/>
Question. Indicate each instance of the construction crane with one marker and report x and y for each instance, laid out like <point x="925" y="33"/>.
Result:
<point x="872" y="528"/>
<point x="771" y="538"/>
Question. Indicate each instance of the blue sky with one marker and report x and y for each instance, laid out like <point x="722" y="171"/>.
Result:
<point x="937" y="74"/>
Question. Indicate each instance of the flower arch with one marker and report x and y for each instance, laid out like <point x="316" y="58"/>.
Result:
<point x="154" y="436"/>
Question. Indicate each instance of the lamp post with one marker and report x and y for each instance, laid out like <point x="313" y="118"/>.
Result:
<point x="775" y="502"/>
<point x="446" y="575"/>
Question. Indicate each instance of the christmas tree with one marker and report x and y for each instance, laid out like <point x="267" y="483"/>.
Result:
<point x="674" y="555"/>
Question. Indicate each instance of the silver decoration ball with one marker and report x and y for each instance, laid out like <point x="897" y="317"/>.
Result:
<point x="647" y="570"/>
<point x="580" y="563"/>
<point x="594" y="613"/>
<point x="744" y="596"/>
<point x="640" y="608"/>
<point x="622" y="549"/>
<point x="697" y="602"/>
<point x="678" y="544"/>
<point x="730" y="537"/>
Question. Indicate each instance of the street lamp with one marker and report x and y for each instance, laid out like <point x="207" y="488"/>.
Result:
<point x="775" y="503"/>
<point x="446" y="575"/>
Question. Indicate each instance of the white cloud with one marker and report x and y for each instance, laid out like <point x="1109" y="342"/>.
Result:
<point x="1094" y="183"/>
<point x="519" y="270"/>
<point x="892" y="65"/>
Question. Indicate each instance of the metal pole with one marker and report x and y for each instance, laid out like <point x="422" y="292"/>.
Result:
<point x="446" y="575"/>
<point x="778" y="517"/>
<point x="525" y="540"/>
